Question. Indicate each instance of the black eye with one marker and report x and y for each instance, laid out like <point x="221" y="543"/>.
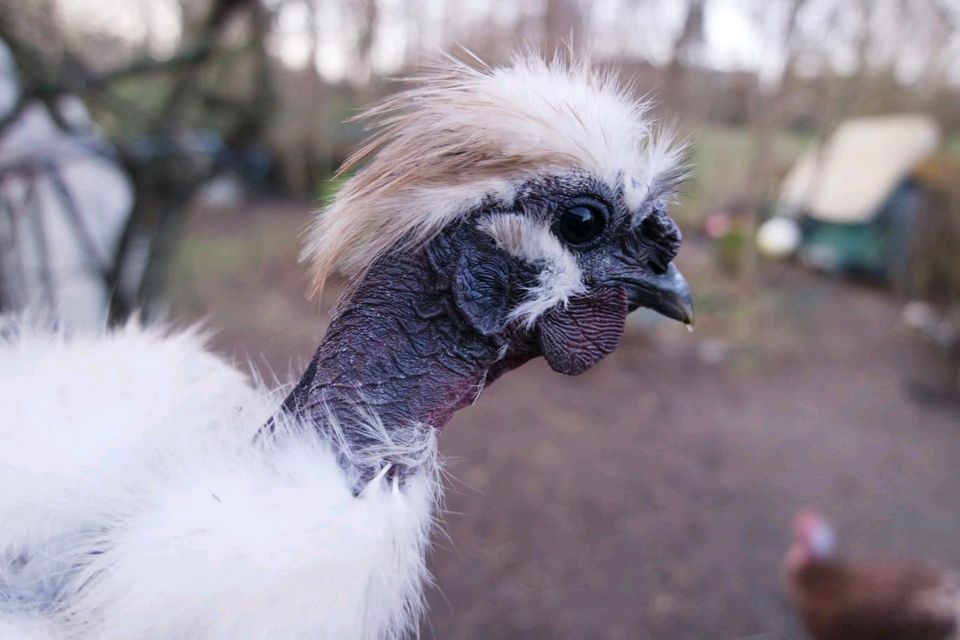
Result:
<point x="582" y="223"/>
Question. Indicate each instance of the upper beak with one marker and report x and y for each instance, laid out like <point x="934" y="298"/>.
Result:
<point x="667" y="293"/>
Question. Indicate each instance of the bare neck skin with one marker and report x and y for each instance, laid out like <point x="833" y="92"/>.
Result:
<point x="425" y="330"/>
<point x="399" y="348"/>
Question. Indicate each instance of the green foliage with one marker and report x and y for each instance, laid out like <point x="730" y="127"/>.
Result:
<point x="721" y="159"/>
<point x="329" y="187"/>
<point x="129" y="103"/>
<point x="220" y="255"/>
<point x="731" y="251"/>
<point x="952" y="145"/>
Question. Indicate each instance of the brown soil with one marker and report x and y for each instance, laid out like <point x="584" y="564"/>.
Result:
<point x="651" y="497"/>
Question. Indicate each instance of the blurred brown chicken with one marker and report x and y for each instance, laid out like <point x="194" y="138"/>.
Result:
<point x="866" y="599"/>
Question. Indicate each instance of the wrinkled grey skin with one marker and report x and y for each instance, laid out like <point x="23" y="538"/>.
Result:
<point x="425" y="331"/>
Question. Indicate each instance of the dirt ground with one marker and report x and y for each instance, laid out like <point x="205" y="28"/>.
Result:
<point x="650" y="497"/>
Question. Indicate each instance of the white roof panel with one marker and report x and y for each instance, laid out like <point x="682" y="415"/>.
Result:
<point x="847" y="179"/>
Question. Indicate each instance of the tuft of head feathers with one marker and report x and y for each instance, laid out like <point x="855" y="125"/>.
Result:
<point x="465" y="135"/>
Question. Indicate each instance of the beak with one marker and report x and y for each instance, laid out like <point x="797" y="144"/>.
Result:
<point x="667" y="293"/>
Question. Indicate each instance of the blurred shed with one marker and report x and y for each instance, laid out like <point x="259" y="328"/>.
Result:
<point x="862" y="197"/>
<point x="848" y="179"/>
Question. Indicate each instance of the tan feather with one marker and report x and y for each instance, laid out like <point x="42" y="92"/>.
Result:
<point x="463" y="135"/>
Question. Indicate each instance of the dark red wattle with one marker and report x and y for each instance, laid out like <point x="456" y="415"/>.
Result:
<point x="575" y="337"/>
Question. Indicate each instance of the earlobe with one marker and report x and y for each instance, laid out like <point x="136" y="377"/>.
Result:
<point x="481" y="288"/>
<point x="575" y="337"/>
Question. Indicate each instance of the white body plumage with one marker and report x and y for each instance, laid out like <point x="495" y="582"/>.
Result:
<point x="132" y="504"/>
<point x="136" y="500"/>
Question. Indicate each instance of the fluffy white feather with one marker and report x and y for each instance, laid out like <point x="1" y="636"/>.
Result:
<point x="135" y="499"/>
<point x="134" y="504"/>
<point x="531" y="240"/>
<point x="464" y="135"/>
<point x="27" y="626"/>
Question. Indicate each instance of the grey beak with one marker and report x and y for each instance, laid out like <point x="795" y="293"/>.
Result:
<point x="667" y="293"/>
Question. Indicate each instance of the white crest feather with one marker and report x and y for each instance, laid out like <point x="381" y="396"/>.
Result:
<point x="465" y="135"/>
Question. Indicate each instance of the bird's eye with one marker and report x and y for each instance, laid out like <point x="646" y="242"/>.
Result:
<point x="582" y="223"/>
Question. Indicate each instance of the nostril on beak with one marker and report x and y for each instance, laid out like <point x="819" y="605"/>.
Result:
<point x="658" y="266"/>
<point x="665" y="237"/>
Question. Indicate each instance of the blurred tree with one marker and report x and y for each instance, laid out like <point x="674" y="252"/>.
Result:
<point x="764" y="119"/>
<point x="562" y="24"/>
<point x="154" y="112"/>
<point x="690" y="37"/>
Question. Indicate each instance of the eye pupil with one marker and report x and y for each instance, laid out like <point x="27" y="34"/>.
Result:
<point x="580" y="224"/>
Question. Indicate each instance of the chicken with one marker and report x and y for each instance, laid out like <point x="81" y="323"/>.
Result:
<point x="879" y="599"/>
<point x="149" y="490"/>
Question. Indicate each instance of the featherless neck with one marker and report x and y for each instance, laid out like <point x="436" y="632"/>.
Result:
<point x="397" y="351"/>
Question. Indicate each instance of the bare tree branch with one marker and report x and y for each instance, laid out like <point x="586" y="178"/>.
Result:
<point x="164" y="174"/>
<point x="187" y="58"/>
